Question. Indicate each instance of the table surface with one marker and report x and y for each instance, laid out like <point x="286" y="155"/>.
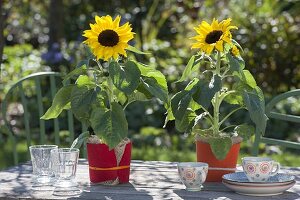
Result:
<point x="148" y="180"/>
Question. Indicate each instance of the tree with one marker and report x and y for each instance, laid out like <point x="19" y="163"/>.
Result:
<point x="1" y="32"/>
<point x="56" y="22"/>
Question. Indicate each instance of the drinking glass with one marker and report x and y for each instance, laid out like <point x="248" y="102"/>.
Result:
<point x="65" y="165"/>
<point x="43" y="173"/>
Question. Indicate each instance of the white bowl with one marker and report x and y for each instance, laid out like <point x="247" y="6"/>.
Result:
<point x="192" y="174"/>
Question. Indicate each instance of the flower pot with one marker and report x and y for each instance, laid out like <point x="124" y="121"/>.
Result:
<point x="228" y="165"/>
<point x="109" y="166"/>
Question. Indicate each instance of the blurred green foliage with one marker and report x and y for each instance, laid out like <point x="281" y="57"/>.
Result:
<point x="19" y="61"/>
<point x="268" y="31"/>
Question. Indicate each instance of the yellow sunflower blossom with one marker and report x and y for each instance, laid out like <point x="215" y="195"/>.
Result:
<point x="107" y="38"/>
<point x="213" y="36"/>
<point x="235" y="51"/>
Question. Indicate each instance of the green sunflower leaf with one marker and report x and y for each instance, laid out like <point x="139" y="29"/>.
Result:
<point x="82" y="99"/>
<point x="152" y="86"/>
<point x="77" y="143"/>
<point x="236" y="64"/>
<point x="187" y="122"/>
<point x="136" y="96"/>
<point x="111" y="125"/>
<point x="76" y="72"/>
<point x="60" y="101"/>
<point x="135" y="50"/>
<point x="180" y="103"/>
<point x="235" y="98"/>
<point x="248" y="79"/>
<point x="187" y="70"/>
<point x="85" y="80"/>
<point x="125" y="78"/>
<point x="220" y="146"/>
<point x="191" y="85"/>
<point x="169" y="116"/>
<point x="148" y="71"/>
<point x="205" y="91"/>
<point x="245" y="131"/>
<point x="255" y="104"/>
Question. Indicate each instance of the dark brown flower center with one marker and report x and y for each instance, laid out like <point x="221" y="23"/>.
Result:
<point x="213" y="37"/>
<point x="108" y="38"/>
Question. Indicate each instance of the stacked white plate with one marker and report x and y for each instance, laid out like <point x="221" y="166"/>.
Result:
<point x="277" y="184"/>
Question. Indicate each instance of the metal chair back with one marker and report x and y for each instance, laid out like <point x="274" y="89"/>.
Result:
<point x="33" y="92"/>
<point x="278" y="116"/>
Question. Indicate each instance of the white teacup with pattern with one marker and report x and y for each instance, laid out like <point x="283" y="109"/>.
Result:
<point x="259" y="169"/>
<point x="192" y="174"/>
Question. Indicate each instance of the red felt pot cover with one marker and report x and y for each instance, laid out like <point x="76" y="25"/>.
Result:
<point x="103" y="163"/>
<point x="205" y="154"/>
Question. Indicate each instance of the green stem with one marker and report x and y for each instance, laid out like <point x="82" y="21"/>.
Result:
<point x="111" y="89"/>
<point x="216" y="114"/>
<point x="228" y="127"/>
<point x="110" y="85"/>
<point x="217" y="102"/>
<point x="218" y="65"/>
<point x="227" y="116"/>
<point x="99" y="65"/>
<point x="209" y="115"/>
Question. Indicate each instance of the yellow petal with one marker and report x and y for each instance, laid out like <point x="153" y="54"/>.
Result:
<point x="98" y="19"/>
<point x="219" y="45"/>
<point x="90" y="34"/>
<point x="94" y="44"/>
<point x="201" y="30"/>
<point x="123" y="52"/>
<point x="116" y="22"/>
<point x="197" y="45"/>
<point x="227" y="37"/>
<point x="108" y="18"/>
<point x="209" y="49"/>
<point x="215" y="24"/>
<point x="235" y="51"/>
<point x="115" y="55"/>
<point x="232" y="27"/>
<point x="226" y="22"/>
<point x="206" y="26"/>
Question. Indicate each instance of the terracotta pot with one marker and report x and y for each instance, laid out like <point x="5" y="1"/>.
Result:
<point x="103" y="163"/>
<point x="205" y="154"/>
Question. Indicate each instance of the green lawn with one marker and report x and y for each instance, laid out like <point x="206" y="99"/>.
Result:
<point x="164" y="154"/>
<point x="152" y="153"/>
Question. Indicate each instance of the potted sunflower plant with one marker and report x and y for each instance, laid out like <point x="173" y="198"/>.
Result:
<point x="221" y="78"/>
<point x="104" y="85"/>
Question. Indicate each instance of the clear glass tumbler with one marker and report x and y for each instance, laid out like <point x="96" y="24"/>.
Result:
<point x="43" y="173"/>
<point x="65" y="162"/>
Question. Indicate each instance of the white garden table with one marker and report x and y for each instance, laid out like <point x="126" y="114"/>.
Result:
<point x="148" y="180"/>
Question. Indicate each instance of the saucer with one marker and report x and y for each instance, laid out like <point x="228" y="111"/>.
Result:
<point x="276" y="185"/>
<point x="241" y="178"/>
<point x="261" y="190"/>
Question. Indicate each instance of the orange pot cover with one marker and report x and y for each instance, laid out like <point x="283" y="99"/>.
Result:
<point x="205" y="154"/>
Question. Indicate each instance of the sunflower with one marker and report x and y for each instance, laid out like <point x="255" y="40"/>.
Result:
<point x="213" y="35"/>
<point x="235" y="51"/>
<point x="107" y="38"/>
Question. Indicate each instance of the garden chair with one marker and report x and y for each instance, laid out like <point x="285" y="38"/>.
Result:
<point x="278" y="116"/>
<point x="33" y="92"/>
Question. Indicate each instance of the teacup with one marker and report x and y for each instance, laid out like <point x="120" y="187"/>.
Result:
<point x="192" y="174"/>
<point x="259" y="169"/>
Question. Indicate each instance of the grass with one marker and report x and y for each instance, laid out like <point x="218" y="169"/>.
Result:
<point x="166" y="154"/>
